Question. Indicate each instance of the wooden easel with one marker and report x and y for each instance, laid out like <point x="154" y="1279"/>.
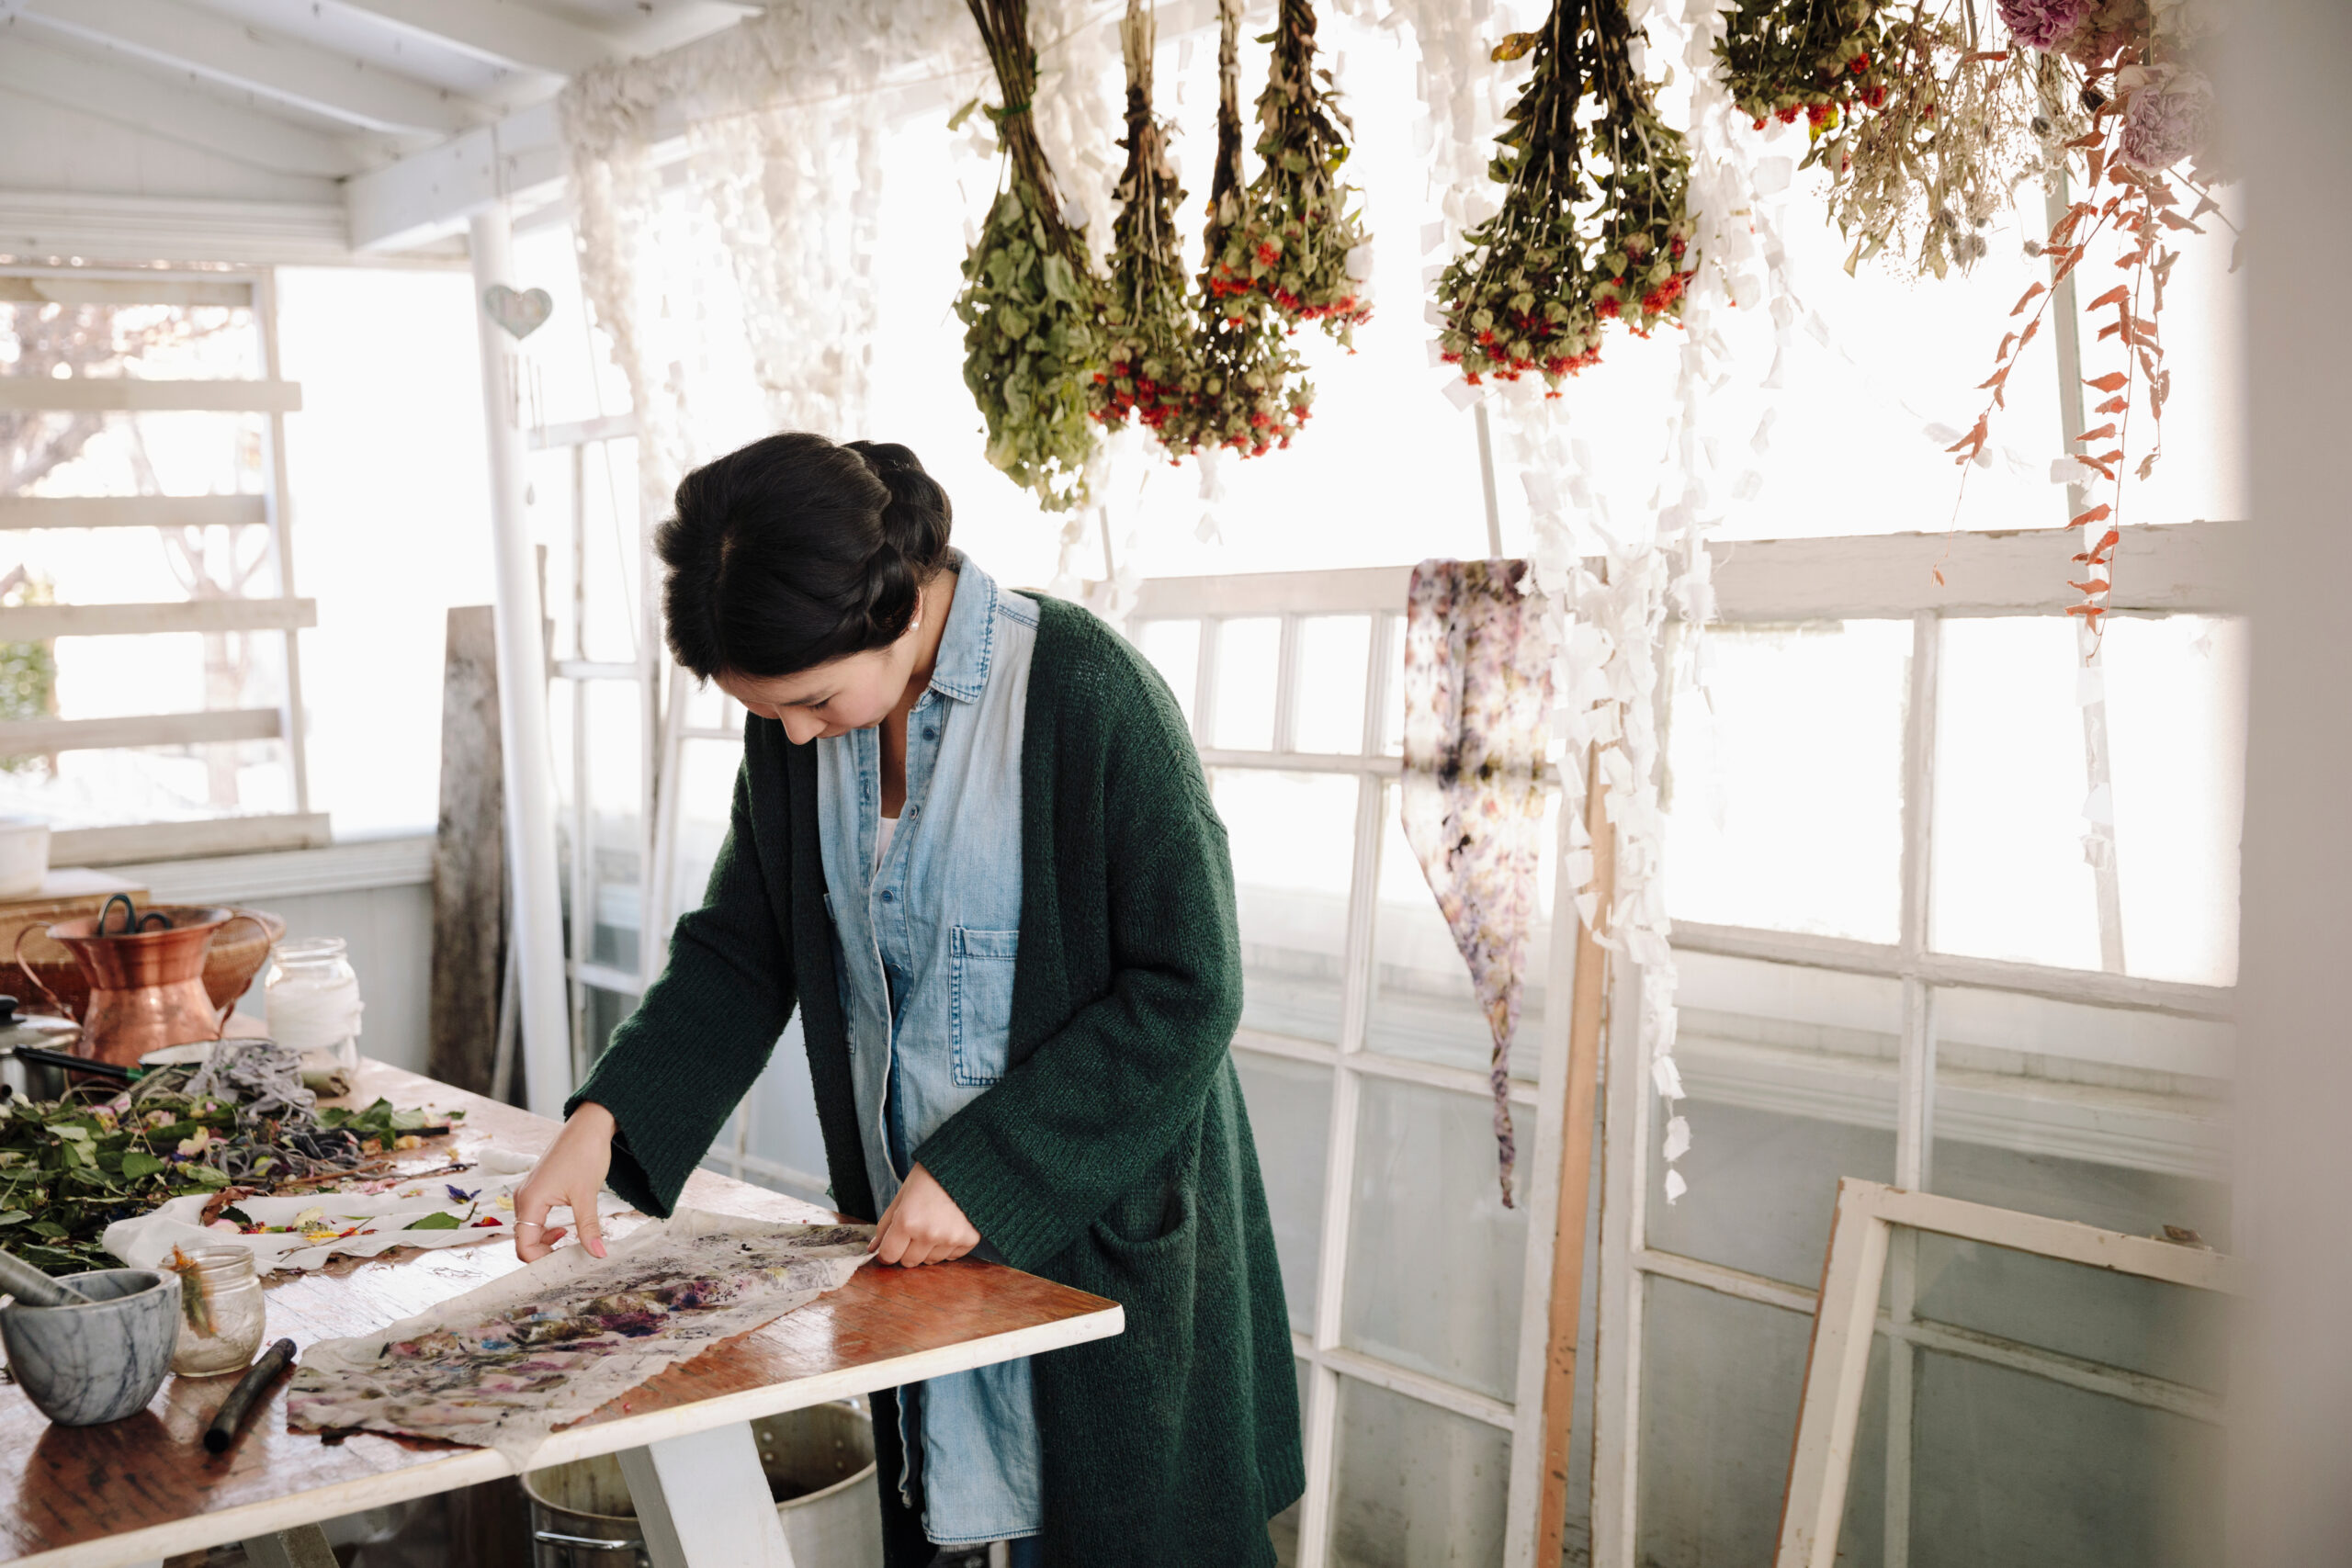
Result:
<point x="1575" y="1179"/>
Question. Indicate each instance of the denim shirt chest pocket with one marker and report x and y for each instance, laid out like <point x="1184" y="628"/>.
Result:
<point x="980" y="967"/>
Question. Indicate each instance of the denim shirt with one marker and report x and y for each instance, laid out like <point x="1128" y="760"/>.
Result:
<point x="925" y="947"/>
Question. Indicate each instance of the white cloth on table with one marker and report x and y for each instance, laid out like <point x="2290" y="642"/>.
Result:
<point x="357" y="1223"/>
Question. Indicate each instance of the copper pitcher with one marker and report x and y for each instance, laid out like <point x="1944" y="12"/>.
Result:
<point x="146" y="978"/>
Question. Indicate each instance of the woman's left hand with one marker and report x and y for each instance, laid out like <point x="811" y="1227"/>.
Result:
<point x="923" y="1225"/>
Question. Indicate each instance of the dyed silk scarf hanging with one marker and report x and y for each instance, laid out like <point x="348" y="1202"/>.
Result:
<point x="1478" y="703"/>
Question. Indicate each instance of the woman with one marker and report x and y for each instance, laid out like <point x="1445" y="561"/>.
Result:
<point x="971" y="841"/>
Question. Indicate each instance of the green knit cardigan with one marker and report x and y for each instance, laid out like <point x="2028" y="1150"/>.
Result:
<point x="1115" y="1154"/>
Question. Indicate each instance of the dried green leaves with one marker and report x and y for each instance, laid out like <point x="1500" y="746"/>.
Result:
<point x="1031" y="304"/>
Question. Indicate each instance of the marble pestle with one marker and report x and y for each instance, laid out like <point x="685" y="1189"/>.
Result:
<point x="31" y="1286"/>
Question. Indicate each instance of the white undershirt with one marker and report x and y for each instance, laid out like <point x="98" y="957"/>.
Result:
<point x="882" y="840"/>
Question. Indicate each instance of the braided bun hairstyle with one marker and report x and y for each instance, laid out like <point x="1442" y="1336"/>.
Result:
<point x="795" y="551"/>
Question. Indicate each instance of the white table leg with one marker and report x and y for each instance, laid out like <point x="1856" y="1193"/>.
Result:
<point x="702" y="1501"/>
<point x="304" y="1546"/>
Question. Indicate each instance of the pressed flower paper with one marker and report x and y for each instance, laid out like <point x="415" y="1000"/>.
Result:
<point x="505" y="1365"/>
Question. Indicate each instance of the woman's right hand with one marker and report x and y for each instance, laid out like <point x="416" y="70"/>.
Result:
<point x="569" y="1174"/>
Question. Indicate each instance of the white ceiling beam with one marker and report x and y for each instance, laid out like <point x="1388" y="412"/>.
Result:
<point x="429" y="195"/>
<point x="134" y="98"/>
<point x="500" y="31"/>
<point x="682" y="22"/>
<point x="181" y="39"/>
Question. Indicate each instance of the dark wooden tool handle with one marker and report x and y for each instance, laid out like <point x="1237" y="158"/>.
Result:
<point x="48" y="1058"/>
<point x="232" y="1411"/>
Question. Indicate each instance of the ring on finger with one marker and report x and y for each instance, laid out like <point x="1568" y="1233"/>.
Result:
<point x="533" y="1224"/>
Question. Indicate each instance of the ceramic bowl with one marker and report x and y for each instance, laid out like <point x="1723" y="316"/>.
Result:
<point x="101" y="1360"/>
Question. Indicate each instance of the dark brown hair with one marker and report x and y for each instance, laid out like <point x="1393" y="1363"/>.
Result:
<point x="795" y="551"/>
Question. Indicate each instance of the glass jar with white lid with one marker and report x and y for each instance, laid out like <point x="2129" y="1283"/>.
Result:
<point x="310" y="998"/>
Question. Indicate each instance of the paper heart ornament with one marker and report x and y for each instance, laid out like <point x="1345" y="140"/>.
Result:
<point x="521" y="312"/>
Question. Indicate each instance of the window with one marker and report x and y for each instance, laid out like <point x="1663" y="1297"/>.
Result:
<point x="2031" y="1015"/>
<point x="153" y="702"/>
<point x="1824" y="1032"/>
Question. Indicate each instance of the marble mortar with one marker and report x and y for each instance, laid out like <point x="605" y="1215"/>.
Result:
<point x="101" y="1360"/>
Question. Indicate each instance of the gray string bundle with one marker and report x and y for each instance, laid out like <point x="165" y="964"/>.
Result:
<point x="263" y="1077"/>
<point x="278" y="1135"/>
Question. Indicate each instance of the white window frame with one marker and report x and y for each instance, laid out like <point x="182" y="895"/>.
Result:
<point x="269" y="395"/>
<point x="2183" y="569"/>
<point x="1871" y="1217"/>
<point x="2161" y="571"/>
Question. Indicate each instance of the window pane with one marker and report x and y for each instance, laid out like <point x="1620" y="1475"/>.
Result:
<point x="1790" y="1079"/>
<point x="615" y="808"/>
<point x="1290" y="1117"/>
<point x="707" y="707"/>
<point x="1249" y="664"/>
<point x="1784" y="788"/>
<point x="784" y="1148"/>
<point x="706" y="799"/>
<point x="2176" y="727"/>
<point x="2083" y="1481"/>
<point x="1392" y="723"/>
<point x="2101" y="1145"/>
<point x="1721" y="1382"/>
<point x="1418" y="1487"/>
<point x="2204" y="473"/>
<point x="1434" y="1259"/>
<point x="2010" y="878"/>
<point x="1294" y="850"/>
<point x="1331" y="654"/>
<point x="1424" y="1007"/>
<point x="1899" y="357"/>
<point x="1174" y="650"/>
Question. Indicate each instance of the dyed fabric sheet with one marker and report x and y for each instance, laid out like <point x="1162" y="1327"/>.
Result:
<point x="505" y="1365"/>
<point x="1477" y="706"/>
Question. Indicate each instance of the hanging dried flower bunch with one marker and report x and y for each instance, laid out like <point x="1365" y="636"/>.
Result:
<point x="1592" y="226"/>
<point x="2150" y="121"/>
<point x="1958" y="131"/>
<point x="1148" y="325"/>
<point x="1294" y="243"/>
<point x="1247" y="386"/>
<point x="1032" y="303"/>
<point x="1815" y="58"/>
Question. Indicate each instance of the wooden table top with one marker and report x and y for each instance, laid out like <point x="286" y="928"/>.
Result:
<point x="145" y="1488"/>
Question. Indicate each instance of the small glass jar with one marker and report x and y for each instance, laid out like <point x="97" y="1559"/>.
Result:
<point x="310" y="998"/>
<point x="221" y="1313"/>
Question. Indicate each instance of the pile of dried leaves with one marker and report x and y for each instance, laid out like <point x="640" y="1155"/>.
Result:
<point x="71" y="1167"/>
